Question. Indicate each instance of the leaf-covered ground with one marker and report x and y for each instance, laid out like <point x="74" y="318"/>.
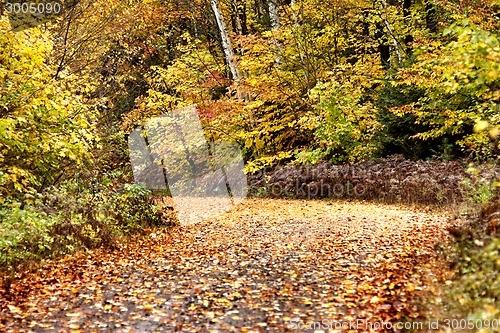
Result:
<point x="266" y="266"/>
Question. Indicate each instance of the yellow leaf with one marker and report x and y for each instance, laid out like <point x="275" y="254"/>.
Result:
<point x="494" y="132"/>
<point x="14" y="309"/>
<point x="224" y="301"/>
<point x="480" y="126"/>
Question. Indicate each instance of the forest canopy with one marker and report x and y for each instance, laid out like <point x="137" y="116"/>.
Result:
<point x="303" y="81"/>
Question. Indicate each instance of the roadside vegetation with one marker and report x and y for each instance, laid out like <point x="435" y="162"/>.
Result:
<point x="470" y="298"/>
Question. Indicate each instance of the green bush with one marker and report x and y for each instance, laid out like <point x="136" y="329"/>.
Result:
<point x="475" y="293"/>
<point x="347" y="127"/>
<point x="482" y="184"/>
<point x="74" y="215"/>
<point x="26" y="235"/>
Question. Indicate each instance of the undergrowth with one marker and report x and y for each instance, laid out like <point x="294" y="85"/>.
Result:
<point x="391" y="180"/>
<point x="470" y="300"/>
<point x="77" y="214"/>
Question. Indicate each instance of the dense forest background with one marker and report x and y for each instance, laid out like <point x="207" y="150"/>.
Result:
<point x="299" y="81"/>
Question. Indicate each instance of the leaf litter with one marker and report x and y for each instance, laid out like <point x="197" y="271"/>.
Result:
<point x="265" y="266"/>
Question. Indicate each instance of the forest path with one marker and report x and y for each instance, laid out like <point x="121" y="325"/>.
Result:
<point x="268" y="265"/>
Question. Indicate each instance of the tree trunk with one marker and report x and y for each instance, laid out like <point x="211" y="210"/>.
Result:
<point x="257" y="10"/>
<point x="406" y="8"/>
<point x="430" y="16"/>
<point x="274" y="18"/>
<point x="391" y="33"/>
<point x="300" y="47"/>
<point x="227" y="48"/>
<point x="239" y="22"/>
<point x="409" y="37"/>
<point x="240" y="17"/>
<point x="383" y="48"/>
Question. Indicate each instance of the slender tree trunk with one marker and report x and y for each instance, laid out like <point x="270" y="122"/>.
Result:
<point x="293" y="5"/>
<point x="227" y="48"/>
<point x="430" y="16"/>
<point x="257" y="9"/>
<point x="300" y="47"/>
<point x="239" y="22"/>
<point x="391" y="33"/>
<point x="409" y="37"/>
<point x="274" y="18"/>
<point x="240" y="16"/>
<point x="383" y="47"/>
<point x="406" y="8"/>
<point x="237" y="26"/>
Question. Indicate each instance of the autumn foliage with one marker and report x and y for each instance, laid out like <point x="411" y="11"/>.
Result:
<point x="383" y="101"/>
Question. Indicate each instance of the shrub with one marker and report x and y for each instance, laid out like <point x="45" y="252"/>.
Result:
<point x="25" y="235"/>
<point x="76" y="214"/>
<point x="473" y="293"/>
<point x="393" y="179"/>
<point x="482" y="184"/>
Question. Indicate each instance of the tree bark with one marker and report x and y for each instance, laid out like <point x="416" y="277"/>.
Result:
<point x="274" y="18"/>
<point x="430" y="16"/>
<point x="406" y="8"/>
<point x="409" y="37"/>
<point x="227" y="48"/>
<point x="239" y="22"/>
<point x="300" y="48"/>
<point x="240" y="17"/>
<point x="383" y="48"/>
<point x="391" y="33"/>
